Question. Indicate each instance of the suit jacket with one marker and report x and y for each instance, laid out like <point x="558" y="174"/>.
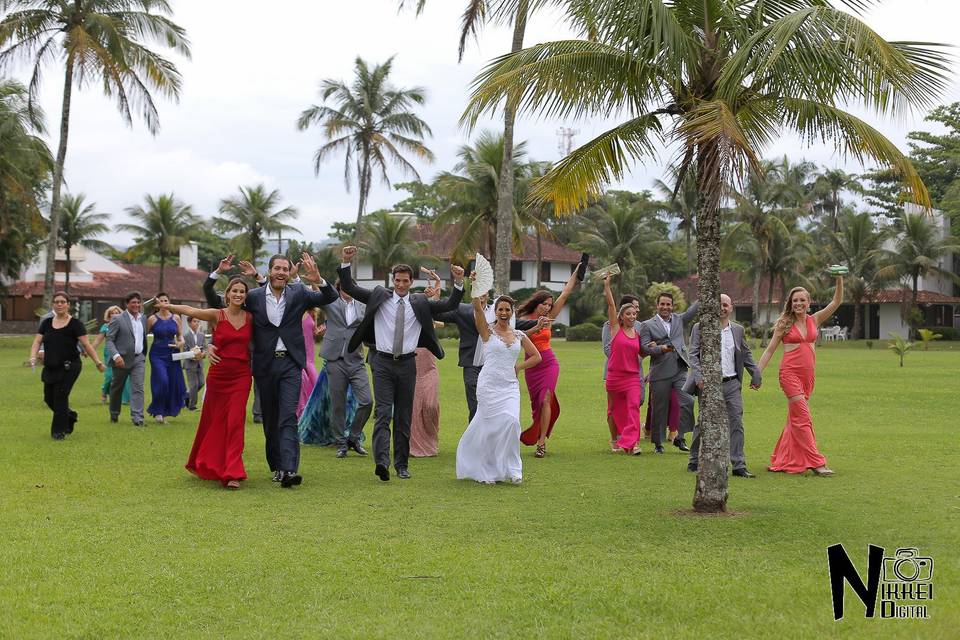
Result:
<point x="666" y="365"/>
<point x="298" y="298"/>
<point x="120" y="337"/>
<point x="463" y="317"/>
<point x="189" y="343"/>
<point x="426" y="311"/>
<point x="338" y="333"/>
<point x="742" y="357"/>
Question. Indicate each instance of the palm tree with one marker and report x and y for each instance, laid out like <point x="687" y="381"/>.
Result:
<point x="472" y="190"/>
<point x="80" y="226"/>
<point x="25" y="167"/>
<point x="919" y="246"/>
<point x="165" y="225"/>
<point x="680" y="201"/>
<point x="371" y="123"/>
<point x="720" y="79"/>
<point x="100" y="41"/>
<point x="859" y="245"/>
<point x="253" y="216"/>
<point x="385" y="241"/>
<point x="827" y="187"/>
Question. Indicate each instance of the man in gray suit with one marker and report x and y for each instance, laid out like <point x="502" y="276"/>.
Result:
<point x="127" y="341"/>
<point x="193" y="368"/>
<point x="734" y="356"/>
<point x="345" y="368"/>
<point x="661" y="338"/>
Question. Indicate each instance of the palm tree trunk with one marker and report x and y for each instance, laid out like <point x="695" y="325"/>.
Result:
<point x="501" y="279"/>
<point x="66" y="283"/>
<point x="279" y="241"/>
<point x="163" y="266"/>
<point x="539" y="258"/>
<point x="52" y="239"/>
<point x="857" y="317"/>
<point x="710" y="495"/>
<point x="756" y="299"/>
<point x="364" y="180"/>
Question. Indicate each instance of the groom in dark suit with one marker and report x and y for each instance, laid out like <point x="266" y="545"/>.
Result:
<point x="396" y="322"/>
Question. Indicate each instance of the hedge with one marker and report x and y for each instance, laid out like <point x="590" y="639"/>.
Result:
<point x="585" y="332"/>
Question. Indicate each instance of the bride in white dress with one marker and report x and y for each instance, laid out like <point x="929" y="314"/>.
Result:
<point x="489" y="450"/>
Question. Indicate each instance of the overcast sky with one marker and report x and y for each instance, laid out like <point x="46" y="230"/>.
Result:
<point x="256" y="66"/>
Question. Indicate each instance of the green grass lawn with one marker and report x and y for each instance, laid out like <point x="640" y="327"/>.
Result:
<point x="106" y="535"/>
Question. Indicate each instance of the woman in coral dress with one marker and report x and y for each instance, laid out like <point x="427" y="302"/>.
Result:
<point x="624" y="387"/>
<point x="796" y="450"/>
<point x="217" y="452"/>
<point x="542" y="379"/>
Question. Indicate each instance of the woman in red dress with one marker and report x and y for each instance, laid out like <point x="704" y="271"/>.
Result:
<point x="796" y="450"/>
<point x="217" y="452"/>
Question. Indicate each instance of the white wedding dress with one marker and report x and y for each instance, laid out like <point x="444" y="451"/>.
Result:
<point x="489" y="450"/>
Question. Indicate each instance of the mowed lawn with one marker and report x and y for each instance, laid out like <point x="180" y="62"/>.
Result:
<point x="106" y="535"/>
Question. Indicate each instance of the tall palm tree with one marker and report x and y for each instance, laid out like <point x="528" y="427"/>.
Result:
<point x="720" y="79"/>
<point x="80" y="226"/>
<point x="100" y="41"/>
<point x="680" y="201"/>
<point x="371" y="122"/>
<point x="859" y="245"/>
<point x="253" y="216"/>
<point x="165" y="225"/>
<point x="25" y="167"/>
<point x="385" y="241"/>
<point x="919" y="245"/>
<point x="472" y="191"/>
<point x="828" y="187"/>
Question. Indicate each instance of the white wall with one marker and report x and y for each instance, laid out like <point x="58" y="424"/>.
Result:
<point x="889" y="315"/>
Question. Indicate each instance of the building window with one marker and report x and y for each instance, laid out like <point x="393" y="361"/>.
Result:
<point x="743" y="315"/>
<point x="516" y="270"/>
<point x="545" y="271"/>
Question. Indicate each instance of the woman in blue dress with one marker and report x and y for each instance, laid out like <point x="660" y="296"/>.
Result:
<point x="169" y="392"/>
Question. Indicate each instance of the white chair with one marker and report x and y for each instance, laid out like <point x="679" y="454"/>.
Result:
<point x="829" y="333"/>
<point x="842" y="335"/>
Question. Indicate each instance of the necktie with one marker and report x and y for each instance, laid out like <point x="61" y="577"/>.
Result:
<point x="398" y="329"/>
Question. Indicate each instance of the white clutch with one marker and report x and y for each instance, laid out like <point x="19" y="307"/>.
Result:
<point x="185" y="355"/>
<point x="612" y="270"/>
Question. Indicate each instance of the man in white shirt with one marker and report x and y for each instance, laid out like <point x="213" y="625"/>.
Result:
<point x="735" y="355"/>
<point x="127" y="341"/>
<point x="395" y="324"/>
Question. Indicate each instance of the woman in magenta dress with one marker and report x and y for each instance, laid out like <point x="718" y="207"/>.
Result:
<point x="168" y="392"/>
<point x="308" y="376"/>
<point x="217" y="452"/>
<point x="624" y="389"/>
<point x="542" y="379"/>
<point x="796" y="450"/>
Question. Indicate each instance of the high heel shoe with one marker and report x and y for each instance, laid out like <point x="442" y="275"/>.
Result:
<point x="541" y="451"/>
<point x="822" y="471"/>
<point x="232" y="484"/>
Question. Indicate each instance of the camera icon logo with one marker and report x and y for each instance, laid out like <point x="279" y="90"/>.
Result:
<point x="907" y="566"/>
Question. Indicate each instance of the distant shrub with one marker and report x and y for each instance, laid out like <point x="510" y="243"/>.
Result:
<point x="559" y="330"/>
<point x="869" y="344"/>
<point x="948" y="333"/>
<point x="597" y="319"/>
<point x="449" y="330"/>
<point x="585" y="332"/>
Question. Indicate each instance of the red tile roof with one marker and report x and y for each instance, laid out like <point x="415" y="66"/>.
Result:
<point x="182" y="285"/>
<point x="739" y="287"/>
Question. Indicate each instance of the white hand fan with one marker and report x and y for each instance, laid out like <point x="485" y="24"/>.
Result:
<point x="484" y="280"/>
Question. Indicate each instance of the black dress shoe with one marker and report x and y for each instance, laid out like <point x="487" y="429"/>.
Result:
<point x="743" y="473"/>
<point x="257" y="420"/>
<point x="382" y="472"/>
<point x="58" y="436"/>
<point x="403" y="474"/>
<point x="681" y="444"/>
<point x="692" y="467"/>
<point x="277" y="476"/>
<point x="73" y="420"/>
<point x="138" y="423"/>
<point x="658" y="448"/>
<point x="290" y="479"/>
<point x="114" y="418"/>
<point x="356" y="446"/>
<point x="341" y="452"/>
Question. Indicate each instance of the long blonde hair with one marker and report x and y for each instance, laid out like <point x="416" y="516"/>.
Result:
<point x="787" y="317"/>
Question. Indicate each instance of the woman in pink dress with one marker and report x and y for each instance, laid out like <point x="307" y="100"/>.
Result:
<point x="796" y="450"/>
<point x="623" y="384"/>
<point x="425" y="423"/>
<point x="308" y="376"/>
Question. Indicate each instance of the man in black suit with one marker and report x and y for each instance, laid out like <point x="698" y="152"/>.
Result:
<point x="396" y="322"/>
<point x="471" y="359"/>
<point x="279" y="357"/>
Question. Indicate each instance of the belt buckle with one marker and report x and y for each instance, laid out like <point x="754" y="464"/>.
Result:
<point x="396" y="357"/>
<point x="279" y="354"/>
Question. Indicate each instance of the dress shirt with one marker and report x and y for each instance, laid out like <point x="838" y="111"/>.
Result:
<point x="727" y="365"/>
<point x="275" y="309"/>
<point x="137" y="333"/>
<point x="385" y="323"/>
<point x="350" y="311"/>
<point x="665" y="323"/>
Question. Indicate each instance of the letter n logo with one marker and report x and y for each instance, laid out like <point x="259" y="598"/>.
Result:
<point x="842" y="569"/>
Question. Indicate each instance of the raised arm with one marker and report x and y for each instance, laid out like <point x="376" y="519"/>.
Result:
<point x="824" y="314"/>
<point x="452" y="301"/>
<point x="611" y="310"/>
<point x="691" y="313"/>
<point x="480" y="320"/>
<point x="769" y="351"/>
<point x="209" y="315"/>
<point x="347" y="282"/>
<point x="562" y="300"/>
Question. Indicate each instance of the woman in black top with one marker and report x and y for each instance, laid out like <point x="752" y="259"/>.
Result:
<point x="61" y="362"/>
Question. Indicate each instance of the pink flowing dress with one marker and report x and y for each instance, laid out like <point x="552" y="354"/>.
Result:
<point x="624" y="388"/>
<point x="425" y="424"/>
<point x="308" y="377"/>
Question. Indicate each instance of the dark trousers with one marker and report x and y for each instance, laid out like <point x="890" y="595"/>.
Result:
<point x="394" y="382"/>
<point x="56" y="393"/>
<point x="470" y="377"/>
<point x="660" y="405"/>
<point x="279" y="395"/>
<point x="257" y="414"/>
<point x="340" y="375"/>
